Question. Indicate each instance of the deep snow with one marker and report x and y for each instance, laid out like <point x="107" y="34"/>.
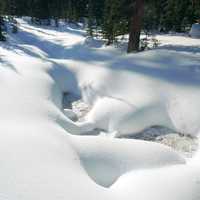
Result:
<point x="45" y="155"/>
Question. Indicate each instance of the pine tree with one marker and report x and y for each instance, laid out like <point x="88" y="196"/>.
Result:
<point x="135" y="26"/>
<point x="196" y="10"/>
<point x="115" y="22"/>
<point x="2" y="37"/>
<point x="113" y="17"/>
<point x="91" y="18"/>
<point x="150" y="19"/>
<point x="95" y="15"/>
<point x="2" y="7"/>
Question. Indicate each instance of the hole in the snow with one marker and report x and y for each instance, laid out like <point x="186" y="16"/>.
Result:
<point x="68" y="99"/>
<point x="76" y="104"/>
<point x="76" y="109"/>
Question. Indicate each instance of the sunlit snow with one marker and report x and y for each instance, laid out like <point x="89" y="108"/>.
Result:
<point x="75" y="117"/>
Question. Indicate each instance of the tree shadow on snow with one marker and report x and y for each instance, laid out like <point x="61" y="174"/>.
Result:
<point x="52" y="50"/>
<point x="181" y="48"/>
<point x="163" y="65"/>
<point x="72" y="28"/>
<point x="6" y="64"/>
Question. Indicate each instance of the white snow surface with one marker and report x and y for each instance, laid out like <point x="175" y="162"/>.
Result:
<point x="46" y="155"/>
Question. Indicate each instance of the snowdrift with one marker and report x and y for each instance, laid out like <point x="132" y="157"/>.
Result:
<point x="162" y="88"/>
<point x="44" y="151"/>
<point x="105" y="160"/>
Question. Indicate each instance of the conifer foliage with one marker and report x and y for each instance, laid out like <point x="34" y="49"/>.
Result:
<point x="110" y="18"/>
<point x="2" y="9"/>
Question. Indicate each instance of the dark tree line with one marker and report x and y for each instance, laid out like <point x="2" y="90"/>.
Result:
<point x="111" y="17"/>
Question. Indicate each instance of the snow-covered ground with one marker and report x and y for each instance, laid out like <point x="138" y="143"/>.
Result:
<point x="45" y="149"/>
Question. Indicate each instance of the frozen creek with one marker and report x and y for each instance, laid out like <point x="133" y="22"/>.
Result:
<point x="185" y="144"/>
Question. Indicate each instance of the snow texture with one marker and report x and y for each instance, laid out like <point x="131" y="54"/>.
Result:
<point x="45" y="150"/>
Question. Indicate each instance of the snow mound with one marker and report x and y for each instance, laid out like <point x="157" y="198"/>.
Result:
<point x="195" y="31"/>
<point x="184" y="144"/>
<point x="40" y="155"/>
<point x="174" y="183"/>
<point x="105" y="160"/>
<point x="107" y="113"/>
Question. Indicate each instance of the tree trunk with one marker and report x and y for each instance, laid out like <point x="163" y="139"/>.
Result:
<point x="1" y="35"/>
<point x="135" y="26"/>
<point x="56" y="22"/>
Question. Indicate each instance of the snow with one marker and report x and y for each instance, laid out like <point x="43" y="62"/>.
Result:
<point x="164" y="183"/>
<point x="45" y="149"/>
<point x="117" y="157"/>
<point x="195" y="31"/>
<point x="159" y="90"/>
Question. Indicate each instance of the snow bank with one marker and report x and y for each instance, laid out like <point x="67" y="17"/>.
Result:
<point x="105" y="160"/>
<point x="174" y="183"/>
<point x="195" y="31"/>
<point x="161" y="89"/>
<point x="42" y="159"/>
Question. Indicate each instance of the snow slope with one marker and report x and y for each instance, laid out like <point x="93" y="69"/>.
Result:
<point x="43" y="153"/>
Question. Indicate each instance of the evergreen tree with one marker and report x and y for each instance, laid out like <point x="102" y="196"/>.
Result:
<point x="115" y="23"/>
<point x="2" y="7"/>
<point x="2" y="37"/>
<point x="113" y="17"/>
<point x="135" y="26"/>
<point x="95" y="15"/>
